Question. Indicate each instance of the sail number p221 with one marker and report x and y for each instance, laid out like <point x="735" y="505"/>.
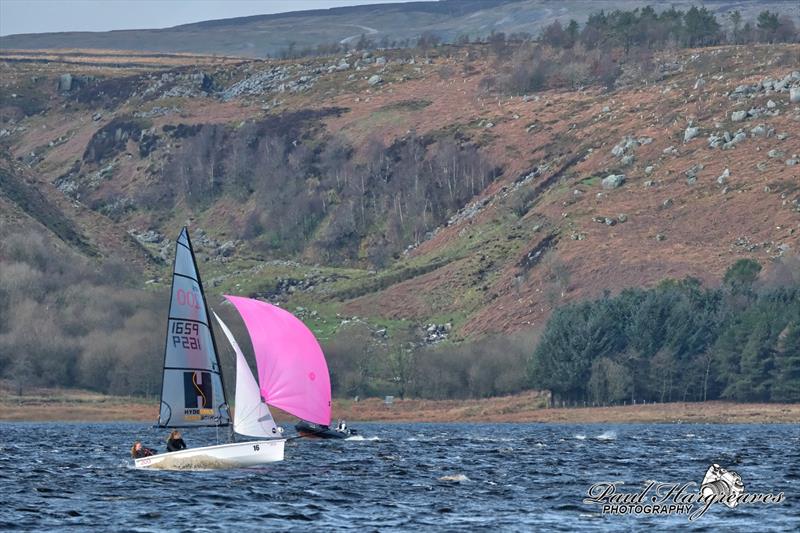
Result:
<point x="186" y="335"/>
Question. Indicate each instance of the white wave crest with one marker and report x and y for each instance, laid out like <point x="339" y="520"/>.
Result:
<point x="456" y="478"/>
<point x="607" y="435"/>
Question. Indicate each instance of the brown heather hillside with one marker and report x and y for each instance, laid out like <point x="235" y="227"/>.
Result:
<point x="527" y="242"/>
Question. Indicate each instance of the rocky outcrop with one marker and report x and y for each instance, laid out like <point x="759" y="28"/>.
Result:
<point x="789" y="83"/>
<point x="613" y="181"/>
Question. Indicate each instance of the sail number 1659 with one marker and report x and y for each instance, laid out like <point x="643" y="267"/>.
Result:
<point x="186" y="335"/>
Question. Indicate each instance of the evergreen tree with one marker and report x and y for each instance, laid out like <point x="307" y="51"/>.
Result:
<point x="767" y="24"/>
<point x="740" y="276"/>
<point x="786" y="387"/>
<point x="736" y="20"/>
<point x="573" y="32"/>
<point x="702" y="28"/>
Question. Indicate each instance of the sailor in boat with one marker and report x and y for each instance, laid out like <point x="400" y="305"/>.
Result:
<point x="138" y="451"/>
<point x="342" y="426"/>
<point x="175" y="442"/>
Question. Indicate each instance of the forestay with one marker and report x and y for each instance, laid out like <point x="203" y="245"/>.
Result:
<point x="252" y="417"/>
<point x="192" y="393"/>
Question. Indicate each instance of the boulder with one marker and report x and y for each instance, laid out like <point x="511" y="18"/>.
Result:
<point x="739" y="137"/>
<point x="794" y="95"/>
<point x="775" y="153"/>
<point x="375" y="80"/>
<point x="380" y="61"/>
<point x="723" y="177"/>
<point x="754" y="112"/>
<point x="65" y="83"/>
<point x="738" y="116"/>
<point x="690" y="133"/>
<point x="227" y="249"/>
<point x="613" y="181"/>
<point x="759" y="131"/>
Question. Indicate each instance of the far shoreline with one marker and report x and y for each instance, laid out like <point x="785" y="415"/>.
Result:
<point x="81" y="406"/>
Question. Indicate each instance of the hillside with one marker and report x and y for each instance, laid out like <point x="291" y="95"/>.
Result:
<point x="384" y="24"/>
<point x="410" y="193"/>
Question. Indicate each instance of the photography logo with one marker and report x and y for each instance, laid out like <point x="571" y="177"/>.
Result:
<point x="719" y="486"/>
<point x="722" y="483"/>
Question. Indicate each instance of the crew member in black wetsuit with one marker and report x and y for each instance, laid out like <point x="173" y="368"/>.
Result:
<point x="175" y="442"/>
<point x="138" y="451"/>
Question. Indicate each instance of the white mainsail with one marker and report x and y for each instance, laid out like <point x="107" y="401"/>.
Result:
<point x="192" y="392"/>
<point x="252" y="417"/>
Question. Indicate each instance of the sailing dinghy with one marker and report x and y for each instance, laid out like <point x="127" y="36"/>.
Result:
<point x="193" y="393"/>
<point x="292" y="369"/>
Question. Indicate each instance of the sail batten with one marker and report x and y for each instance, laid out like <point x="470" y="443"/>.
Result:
<point x="192" y="392"/>
<point x="292" y="372"/>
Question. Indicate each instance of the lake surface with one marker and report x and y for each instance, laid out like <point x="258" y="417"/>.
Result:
<point x="443" y="477"/>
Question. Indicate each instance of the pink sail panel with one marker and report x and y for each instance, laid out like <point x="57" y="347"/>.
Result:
<point x="292" y="371"/>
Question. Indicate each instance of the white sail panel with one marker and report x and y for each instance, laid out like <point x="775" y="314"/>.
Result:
<point x="252" y="417"/>
<point x="192" y="393"/>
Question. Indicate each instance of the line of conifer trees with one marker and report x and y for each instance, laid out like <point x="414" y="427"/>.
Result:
<point x="677" y="342"/>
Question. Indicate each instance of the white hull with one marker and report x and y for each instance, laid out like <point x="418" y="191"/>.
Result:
<point x="233" y="455"/>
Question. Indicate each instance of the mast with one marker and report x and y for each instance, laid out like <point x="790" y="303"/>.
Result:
<point x="210" y="329"/>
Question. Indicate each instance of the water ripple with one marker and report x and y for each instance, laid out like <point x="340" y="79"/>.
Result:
<point x="447" y="477"/>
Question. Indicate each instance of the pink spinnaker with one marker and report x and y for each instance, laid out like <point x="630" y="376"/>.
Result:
<point x="292" y="372"/>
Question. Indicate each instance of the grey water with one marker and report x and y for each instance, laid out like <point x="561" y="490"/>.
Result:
<point x="400" y="477"/>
